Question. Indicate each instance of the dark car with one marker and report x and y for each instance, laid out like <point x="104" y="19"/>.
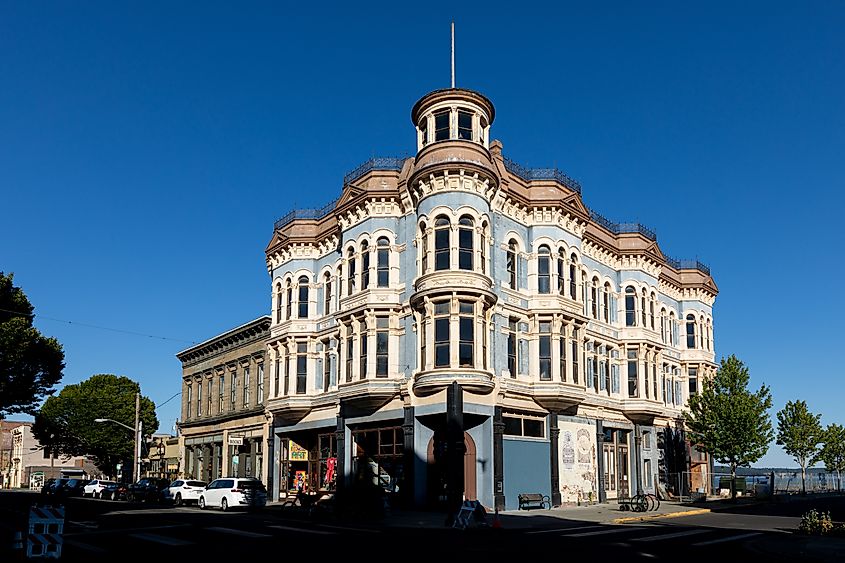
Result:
<point x="149" y="489"/>
<point x="73" y="487"/>
<point x="114" y="491"/>
<point x="45" y="488"/>
<point x="55" y="488"/>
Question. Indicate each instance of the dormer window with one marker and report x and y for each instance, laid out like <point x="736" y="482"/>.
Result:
<point x="441" y="126"/>
<point x="464" y="125"/>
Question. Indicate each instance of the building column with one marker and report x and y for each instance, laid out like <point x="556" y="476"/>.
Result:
<point x="554" y="440"/>
<point x="498" y="460"/>
<point x="455" y="448"/>
<point x="602" y="493"/>
<point x="340" y="436"/>
<point x="637" y="471"/>
<point x="226" y="464"/>
<point x="408" y="458"/>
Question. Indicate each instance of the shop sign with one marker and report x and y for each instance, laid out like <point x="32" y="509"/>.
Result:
<point x="297" y="452"/>
<point x="236" y="441"/>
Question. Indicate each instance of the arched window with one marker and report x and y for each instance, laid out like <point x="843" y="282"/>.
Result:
<point x="630" y="306"/>
<point x="690" y="331"/>
<point x="365" y="265"/>
<point x="383" y="262"/>
<point x="544" y="275"/>
<point x="573" y="276"/>
<point x="708" y="335"/>
<point x="701" y="332"/>
<point x="424" y="244"/>
<point x="289" y="300"/>
<point x="673" y="329"/>
<point x="606" y="303"/>
<point x="483" y="248"/>
<point x="643" y="309"/>
<point x="511" y="264"/>
<point x="302" y="299"/>
<point x="561" y="271"/>
<point x="327" y="293"/>
<point x="350" y="271"/>
<point x="466" y="233"/>
<point x="663" y="325"/>
<point x="279" y="301"/>
<point x="441" y="243"/>
<point x="594" y="297"/>
<point x="651" y="311"/>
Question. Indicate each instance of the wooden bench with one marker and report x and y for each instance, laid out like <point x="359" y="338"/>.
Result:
<point x="534" y="500"/>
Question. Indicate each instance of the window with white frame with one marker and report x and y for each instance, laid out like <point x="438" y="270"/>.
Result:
<point x="327" y="293"/>
<point x="442" y="351"/>
<point x="246" y="387"/>
<point x="302" y="298"/>
<point x="544" y="272"/>
<point x="382" y="345"/>
<point x="630" y="306"/>
<point x="466" y="251"/>
<point x="524" y="425"/>
<point x="259" y="383"/>
<point x="365" y="265"/>
<point x="633" y="373"/>
<point x="350" y="271"/>
<point x="466" y="334"/>
<point x="383" y="262"/>
<point x="512" y="346"/>
<point x="510" y="263"/>
<point x="442" y="244"/>
<point x="545" y="350"/>
<point x="301" y="367"/>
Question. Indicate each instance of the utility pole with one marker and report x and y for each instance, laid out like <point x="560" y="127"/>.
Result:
<point x="136" y="465"/>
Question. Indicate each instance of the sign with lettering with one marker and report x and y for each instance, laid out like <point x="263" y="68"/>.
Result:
<point x="297" y="452"/>
<point x="236" y="441"/>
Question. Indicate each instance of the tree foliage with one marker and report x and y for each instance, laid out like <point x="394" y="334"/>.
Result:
<point x="66" y="422"/>
<point x="800" y="433"/>
<point x="30" y="363"/>
<point x="832" y="452"/>
<point x="727" y="420"/>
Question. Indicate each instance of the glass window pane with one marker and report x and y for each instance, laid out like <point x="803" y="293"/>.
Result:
<point x="533" y="428"/>
<point x="513" y="425"/>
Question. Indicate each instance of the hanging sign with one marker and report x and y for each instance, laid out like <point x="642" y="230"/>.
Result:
<point x="236" y="441"/>
<point x="297" y="452"/>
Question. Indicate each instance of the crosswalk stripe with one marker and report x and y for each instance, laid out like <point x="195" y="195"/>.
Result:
<point x="303" y="530"/>
<point x="558" y="530"/>
<point x="674" y="535"/>
<point x="729" y="538"/>
<point x="164" y="540"/>
<point x="347" y="528"/>
<point x="601" y="532"/>
<point x="238" y="532"/>
<point x="85" y="546"/>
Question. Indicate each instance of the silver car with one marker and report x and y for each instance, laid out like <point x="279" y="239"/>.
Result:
<point x="234" y="492"/>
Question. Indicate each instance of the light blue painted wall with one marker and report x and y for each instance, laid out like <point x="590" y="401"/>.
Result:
<point x="526" y="469"/>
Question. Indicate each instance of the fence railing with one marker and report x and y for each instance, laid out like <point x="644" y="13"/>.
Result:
<point x="542" y="174"/>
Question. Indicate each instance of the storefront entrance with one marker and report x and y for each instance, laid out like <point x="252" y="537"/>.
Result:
<point x="437" y="469"/>
<point x="615" y="458"/>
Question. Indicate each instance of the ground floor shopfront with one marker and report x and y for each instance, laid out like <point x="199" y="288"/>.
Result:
<point x="233" y="451"/>
<point x="503" y="451"/>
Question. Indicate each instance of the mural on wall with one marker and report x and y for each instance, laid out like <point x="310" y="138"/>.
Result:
<point x="578" y="477"/>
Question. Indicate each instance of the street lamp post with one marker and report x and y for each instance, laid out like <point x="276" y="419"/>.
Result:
<point x="138" y="431"/>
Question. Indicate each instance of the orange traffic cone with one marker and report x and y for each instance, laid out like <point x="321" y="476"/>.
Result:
<point x="496" y="522"/>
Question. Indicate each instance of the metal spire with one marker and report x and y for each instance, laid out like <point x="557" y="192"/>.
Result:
<point x="453" y="54"/>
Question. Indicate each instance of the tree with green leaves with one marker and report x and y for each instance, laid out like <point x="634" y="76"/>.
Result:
<point x="832" y="452"/>
<point x="728" y="421"/>
<point x="30" y="363"/>
<point x="800" y="433"/>
<point x="66" y="424"/>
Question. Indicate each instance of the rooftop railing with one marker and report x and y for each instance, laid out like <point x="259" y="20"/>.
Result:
<point x="542" y="174"/>
<point x="688" y="265"/>
<point x="617" y="228"/>
<point x="316" y="213"/>
<point x="377" y="163"/>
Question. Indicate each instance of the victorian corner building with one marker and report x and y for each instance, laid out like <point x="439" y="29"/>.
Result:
<point x="455" y="325"/>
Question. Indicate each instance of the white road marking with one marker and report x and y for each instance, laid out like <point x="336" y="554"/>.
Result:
<point x="601" y="532"/>
<point x="365" y="530"/>
<point x="729" y="538"/>
<point x="85" y="546"/>
<point x="238" y="532"/>
<point x="304" y="530"/>
<point x="572" y="529"/>
<point x="164" y="540"/>
<point x="674" y="535"/>
<point x="128" y="530"/>
<point x="86" y="524"/>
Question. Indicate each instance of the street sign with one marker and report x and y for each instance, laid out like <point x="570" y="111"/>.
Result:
<point x="236" y="441"/>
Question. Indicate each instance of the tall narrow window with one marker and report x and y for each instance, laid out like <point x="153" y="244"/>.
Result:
<point x="654" y="378"/>
<point x="562" y="352"/>
<point x="701" y="333"/>
<point x="424" y="244"/>
<point x="301" y="367"/>
<point x="327" y="365"/>
<point x="350" y="271"/>
<point x="464" y="125"/>
<point x="423" y="344"/>
<point x="233" y="392"/>
<point x="441" y="243"/>
<point x="544" y="272"/>
<point x="424" y="130"/>
<point x="663" y="325"/>
<point x="607" y="384"/>
<point x="466" y="334"/>
<point x="189" y="402"/>
<point x="707" y="332"/>
<point x="382" y="340"/>
<point x="605" y="303"/>
<point x="441" y="126"/>
<point x="692" y="376"/>
<point x="561" y="272"/>
<point x="651" y="311"/>
<point x="594" y="298"/>
<point x="633" y="373"/>
<point x="630" y="306"/>
<point x="286" y="382"/>
<point x="643" y="309"/>
<point x="303" y="298"/>
<point x="573" y="279"/>
<point x="289" y="295"/>
<point x="350" y="354"/>
<point x="327" y="294"/>
<point x="482" y="250"/>
<point x="279" y="301"/>
<point x="512" y="347"/>
<point x="576" y="352"/>
<point x="246" y="386"/>
<point x="690" y="332"/>
<point x="545" y="351"/>
<point x="209" y="396"/>
<point x="259" y="384"/>
<point x="199" y="398"/>
<point x="365" y="265"/>
<point x="363" y="354"/>
<point x="383" y="262"/>
<point x="466" y="232"/>
<point x="221" y="384"/>
<point x="441" y="335"/>
<point x="673" y="329"/>
<point x="511" y="264"/>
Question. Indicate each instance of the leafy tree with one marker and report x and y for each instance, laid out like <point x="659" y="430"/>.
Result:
<point x="800" y="433"/>
<point x="728" y="421"/>
<point x="832" y="452"/>
<point x="66" y="424"/>
<point x="30" y="364"/>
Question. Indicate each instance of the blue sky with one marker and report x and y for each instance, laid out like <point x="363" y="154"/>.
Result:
<point x="146" y="149"/>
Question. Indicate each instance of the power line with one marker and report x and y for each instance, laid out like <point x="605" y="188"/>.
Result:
<point x="18" y="313"/>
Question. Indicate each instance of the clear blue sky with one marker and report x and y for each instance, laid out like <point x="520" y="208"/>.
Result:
<point x="146" y="149"/>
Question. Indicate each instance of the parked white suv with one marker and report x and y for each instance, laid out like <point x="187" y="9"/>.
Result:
<point x="234" y="492"/>
<point x="183" y="491"/>
<point x="95" y="488"/>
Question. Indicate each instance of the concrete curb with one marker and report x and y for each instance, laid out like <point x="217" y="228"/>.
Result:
<point x="677" y="514"/>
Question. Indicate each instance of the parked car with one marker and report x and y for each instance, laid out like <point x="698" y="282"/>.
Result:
<point x="148" y="489"/>
<point x="234" y="492"/>
<point x="114" y="491"/>
<point x="73" y="487"/>
<point x="95" y="487"/>
<point x="55" y="488"/>
<point x="182" y="491"/>
<point x="48" y="484"/>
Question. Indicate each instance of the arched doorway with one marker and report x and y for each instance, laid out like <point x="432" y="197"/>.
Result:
<point x="437" y="470"/>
